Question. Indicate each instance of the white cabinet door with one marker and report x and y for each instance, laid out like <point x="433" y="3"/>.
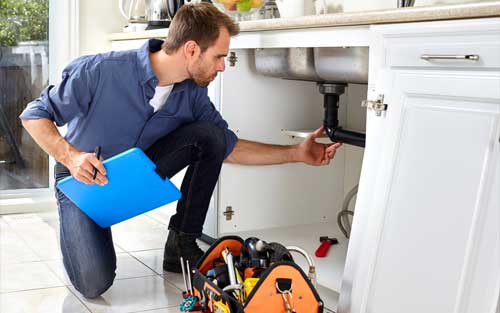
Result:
<point x="431" y="220"/>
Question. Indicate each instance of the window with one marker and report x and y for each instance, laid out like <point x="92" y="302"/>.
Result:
<point x="24" y="74"/>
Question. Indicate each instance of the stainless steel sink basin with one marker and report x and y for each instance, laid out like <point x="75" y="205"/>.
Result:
<point x="341" y="65"/>
<point x="345" y="65"/>
<point x="288" y="63"/>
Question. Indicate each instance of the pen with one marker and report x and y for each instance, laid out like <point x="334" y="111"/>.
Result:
<point x="97" y="152"/>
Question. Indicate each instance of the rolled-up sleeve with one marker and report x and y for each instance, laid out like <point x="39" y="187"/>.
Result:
<point x="204" y="110"/>
<point x="70" y="98"/>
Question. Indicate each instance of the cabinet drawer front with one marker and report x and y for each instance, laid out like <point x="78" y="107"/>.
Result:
<point x="441" y="50"/>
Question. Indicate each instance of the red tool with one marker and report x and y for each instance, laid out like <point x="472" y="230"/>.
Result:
<point x="323" y="248"/>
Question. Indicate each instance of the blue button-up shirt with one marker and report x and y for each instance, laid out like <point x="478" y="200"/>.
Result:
<point x="104" y="100"/>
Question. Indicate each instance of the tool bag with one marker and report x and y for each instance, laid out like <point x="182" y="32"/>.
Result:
<point x="281" y="288"/>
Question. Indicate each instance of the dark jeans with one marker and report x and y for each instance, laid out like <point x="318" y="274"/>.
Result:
<point x="88" y="253"/>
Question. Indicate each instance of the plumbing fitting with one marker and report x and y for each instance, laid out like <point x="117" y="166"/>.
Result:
<point x="332" y="92"/>
<point x="312" y="267"/>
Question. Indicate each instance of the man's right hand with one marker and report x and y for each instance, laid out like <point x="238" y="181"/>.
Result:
<point x="81" y="165"/>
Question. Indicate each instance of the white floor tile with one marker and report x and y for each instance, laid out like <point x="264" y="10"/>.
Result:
<point x="118" y="249"/>
<point x="13" y="249"/>
<point x="50" y="218"/>
<point x="51" y="215"/>
<point x="19" y="219"/>
<point x="174" y="309"/>
<point x="40" y="233"/>
<point x="32" y="276"/>
<point x="140" y="233"/>
<point x="12" y="218"/>
<point x="163" y="213"/>
<point x="25" y="276"/>
<point x="174" y="279"/>
<point x="57" y="267"/>
<point x="129" y="267"/>
<point x="134" y="295"/>
<point x="154" y="260"/>
<point x="2" y="223"/>
<point x="51" y="300"/>
<point x="126" y="267"/>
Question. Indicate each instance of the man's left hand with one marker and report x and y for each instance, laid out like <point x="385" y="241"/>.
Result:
<point x="314" y="153"/>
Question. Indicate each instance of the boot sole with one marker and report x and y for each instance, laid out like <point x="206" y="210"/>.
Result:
<point x="172" y="267"/>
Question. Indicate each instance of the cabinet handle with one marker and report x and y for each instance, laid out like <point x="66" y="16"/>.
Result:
<point x="472" y="57"/>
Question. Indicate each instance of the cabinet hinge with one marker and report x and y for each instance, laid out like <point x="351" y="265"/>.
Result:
<point x="378" y="105"/>
<point x="228" y="213"/>
<point x="232" y="58"/>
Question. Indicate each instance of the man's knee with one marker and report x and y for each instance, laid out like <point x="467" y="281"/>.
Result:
<point x="92" y="285"/>
<point x="211" y="138"/>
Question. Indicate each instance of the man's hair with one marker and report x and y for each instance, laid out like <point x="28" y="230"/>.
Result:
<point x="198" y="22"/>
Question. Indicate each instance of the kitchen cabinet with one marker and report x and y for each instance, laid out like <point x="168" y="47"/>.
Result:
<point x="425" y="234"/>
<point x="293" y="204"/>
<point x="426" y="230"/>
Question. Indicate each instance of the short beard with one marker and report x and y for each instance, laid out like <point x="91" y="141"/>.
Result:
<point x="200" y="82"/>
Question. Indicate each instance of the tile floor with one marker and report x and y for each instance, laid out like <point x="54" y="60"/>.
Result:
<point x="33" y="279"/>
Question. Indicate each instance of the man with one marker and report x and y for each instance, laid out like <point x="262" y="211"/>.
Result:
<point x="153" y="98"/>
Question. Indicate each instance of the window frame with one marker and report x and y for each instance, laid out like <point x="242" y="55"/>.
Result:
<point x="64" y="44"/>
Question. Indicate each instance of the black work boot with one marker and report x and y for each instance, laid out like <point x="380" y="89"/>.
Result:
<point x="180" y="245"/>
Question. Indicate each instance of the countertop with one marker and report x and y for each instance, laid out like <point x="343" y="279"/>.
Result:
<point x="399" y="15"/>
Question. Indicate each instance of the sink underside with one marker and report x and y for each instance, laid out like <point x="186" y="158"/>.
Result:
<point x="340" y="65"/>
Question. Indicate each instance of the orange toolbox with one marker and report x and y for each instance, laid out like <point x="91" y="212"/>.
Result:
<point x="248" y="276"/>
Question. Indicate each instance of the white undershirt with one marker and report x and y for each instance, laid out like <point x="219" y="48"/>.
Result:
<point x="160" y="96"/>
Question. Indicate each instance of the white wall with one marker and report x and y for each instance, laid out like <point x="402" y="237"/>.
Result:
<point x="335" y="6"/>
<point x="98" y="19"/>
<point x="338" y="6"/>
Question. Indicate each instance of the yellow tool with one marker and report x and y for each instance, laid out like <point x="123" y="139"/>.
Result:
<point x="238" y="276"/>
<point x="250" y="284"/>
<point x="220" y="307"/>
<point x="241" y="295"/>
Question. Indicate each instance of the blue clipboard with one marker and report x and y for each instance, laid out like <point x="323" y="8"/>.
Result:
<point x="134" y="188"/>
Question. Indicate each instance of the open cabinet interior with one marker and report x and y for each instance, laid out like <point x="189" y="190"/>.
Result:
<point x="293" y="204"/>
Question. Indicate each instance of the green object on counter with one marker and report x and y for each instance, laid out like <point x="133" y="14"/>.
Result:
<point x="244" y="6"/>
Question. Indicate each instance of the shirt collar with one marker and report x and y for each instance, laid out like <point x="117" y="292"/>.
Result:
<point x="147" y="73"/>
<point x="146" y="70"/>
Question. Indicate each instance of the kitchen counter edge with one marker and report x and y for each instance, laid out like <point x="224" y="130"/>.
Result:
<point x="399" y="15"/>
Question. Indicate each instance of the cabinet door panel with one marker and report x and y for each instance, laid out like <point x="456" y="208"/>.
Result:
<point x="486" y="256"/>
<point x="433" y="193"/>
<point x="434" y="197"/>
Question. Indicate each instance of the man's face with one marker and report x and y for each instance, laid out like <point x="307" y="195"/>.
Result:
<point x="204" y="68"/>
